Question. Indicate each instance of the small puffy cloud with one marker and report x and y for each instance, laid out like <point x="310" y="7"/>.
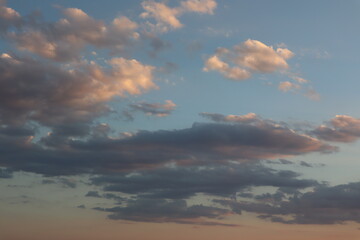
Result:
<point x="248" y="57"/>
<point x="288" y="86"/>
<point x="253" y="56"/>
<point x="300" y="79"/>
<point x="166" y="18"/>
<point x="199" y="6"/>
<point x="155" y="109"/>
<point x="214" y="63"/>
<point x="342" y="128"/>
<point x="260" y="57"/>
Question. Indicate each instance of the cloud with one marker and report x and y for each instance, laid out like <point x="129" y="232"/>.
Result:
<point x="342" y="128"/>
<point x="249" y="57"/>
<point x="55" y="95"/>
<point x="6" y="173"/>
<point x="247" y="118"/>
<point x="161" y="210"/>
<point x="65" y="39"/>
<point x="199" y="6"/>
<point x="259" y="57"/>
<point x="213" y="180"/>
<point x="69" y="183"/>
<point x="93" y="194"/>
<point x="288" y="86"/>
<point x="252" y="56"/>
<point x="214" y="63"/>
<point x="9" y="17"/>
<point x="154" y="109"/>
<point x="324" y="205"/>
<point x="201" y="144"/>
<point x="166" y="18"/>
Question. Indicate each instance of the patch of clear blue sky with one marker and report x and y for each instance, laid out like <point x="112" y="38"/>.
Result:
<point x="308" y="28"/>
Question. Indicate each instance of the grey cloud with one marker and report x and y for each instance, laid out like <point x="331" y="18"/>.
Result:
<point x="247" y="118"/>
<point x="93" y="194"/>
<point x="324" y="205"/>
<point x="53" y="95"/>
<point x="161" y="210"/>
<point x="6" y="173"/>
<point x="202" y="144"/>
<point x="69" y="183"/>
<point x="185" y="182"/>
<point x="305" y="164"/>
<point x="342" y="128"/>
<point x="154" y="109"/>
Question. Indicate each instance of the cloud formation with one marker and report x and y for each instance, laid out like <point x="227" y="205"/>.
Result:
<point x="252" y="57"/>
<point x="65" y="39"/>
<point x="324" y="205"/>
<point x="166" y="18"/>
<point x="342" y="128"/>
<point x="52" y="94"/>
<point x="201" y="144"/>
<point x="249" y="57"/>
<point x="213" y="180"/>
<point x="288" y="86"/>
<point x="162" y="210"/>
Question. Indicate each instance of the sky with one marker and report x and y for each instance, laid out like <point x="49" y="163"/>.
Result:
<point x="181" y="119"/>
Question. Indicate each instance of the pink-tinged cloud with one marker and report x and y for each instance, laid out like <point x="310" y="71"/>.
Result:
<point x="167" y="18"/>
<point x="342" y="128"/>
<point x="248" y="57"/>
<point x="288" y="86"/>
<point x="52" y="94"/>
<point x="66" y="38"/>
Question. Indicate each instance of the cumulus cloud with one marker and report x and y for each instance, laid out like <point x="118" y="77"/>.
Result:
<point x="259" y="57"/>
<point x="248" y="57"/>
<point x="52" y="94"/>
<point x="166" y="18"/>
<point x="154" y="109"/>
<point x="342" y="128"/>
<point x="252" y="56"/>
<point x="214" y="63"/>
<point x="288" y="86"/>
<point x="64" y="39"/>
<point x="9" y="17"/>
